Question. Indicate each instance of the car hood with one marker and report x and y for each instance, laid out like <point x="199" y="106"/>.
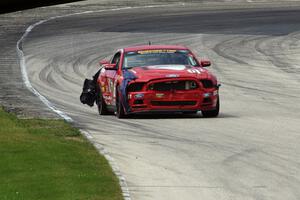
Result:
<point x="147" y="73"/>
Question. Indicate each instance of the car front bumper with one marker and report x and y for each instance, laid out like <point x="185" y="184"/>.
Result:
<point x="191" y="100"/>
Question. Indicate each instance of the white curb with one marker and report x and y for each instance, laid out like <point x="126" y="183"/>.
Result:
<point x="99" y="147"/>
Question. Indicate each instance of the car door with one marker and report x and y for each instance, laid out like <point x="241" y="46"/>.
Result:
<point x="111" y="79"/>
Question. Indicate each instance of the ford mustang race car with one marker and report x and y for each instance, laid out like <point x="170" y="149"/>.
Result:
<point x="156" y="78"/>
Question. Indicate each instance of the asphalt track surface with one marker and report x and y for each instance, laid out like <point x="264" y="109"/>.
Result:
<point x="251" y="151"/>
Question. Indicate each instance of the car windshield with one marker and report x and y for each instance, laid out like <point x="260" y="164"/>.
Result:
<point x="158" y="57"/>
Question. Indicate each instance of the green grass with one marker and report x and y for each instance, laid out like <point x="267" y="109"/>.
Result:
<point x="48" y="159"/>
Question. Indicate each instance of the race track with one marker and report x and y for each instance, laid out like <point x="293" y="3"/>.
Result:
<point x="250" y="152"/>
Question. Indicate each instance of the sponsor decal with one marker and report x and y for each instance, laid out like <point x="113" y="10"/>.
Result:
<point x="115" y="86"/>
<point x="159" y="95"/>
<point x="172" y="75"/>
<point x="168" y="67"/>
<point x="108" y="98"/>
<point x="157" y="51"/>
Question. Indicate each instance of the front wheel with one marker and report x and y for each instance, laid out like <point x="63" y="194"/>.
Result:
<point x="120" y="113"/>
<point x="212" y="113"/>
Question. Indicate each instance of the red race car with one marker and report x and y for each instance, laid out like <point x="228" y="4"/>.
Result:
<point x="156" y="78"/>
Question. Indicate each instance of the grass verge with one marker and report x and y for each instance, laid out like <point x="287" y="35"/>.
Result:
<point x="48" y="159"/>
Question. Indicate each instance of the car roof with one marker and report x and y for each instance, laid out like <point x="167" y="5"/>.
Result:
<point x="153" y="47"/>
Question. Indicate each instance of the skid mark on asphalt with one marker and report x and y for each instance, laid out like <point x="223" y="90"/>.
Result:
<point x="186" y="151"/>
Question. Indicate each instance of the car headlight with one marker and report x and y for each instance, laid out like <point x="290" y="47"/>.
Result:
<point x="208" y="94"/>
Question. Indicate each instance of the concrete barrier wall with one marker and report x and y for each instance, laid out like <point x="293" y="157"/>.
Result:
<point x="15" y="5"/>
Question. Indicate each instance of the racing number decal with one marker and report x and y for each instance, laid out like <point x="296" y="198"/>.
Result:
<point x="110" y="85"/>
<point x="114" y="92"/>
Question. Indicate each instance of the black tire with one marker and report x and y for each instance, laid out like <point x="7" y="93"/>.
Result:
<point x="212" y="113"/>
<point x="120" y="113"/>
<point x="102" y="109"/>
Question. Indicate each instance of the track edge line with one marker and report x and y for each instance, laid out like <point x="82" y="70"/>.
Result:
<point x="100" y="148"/>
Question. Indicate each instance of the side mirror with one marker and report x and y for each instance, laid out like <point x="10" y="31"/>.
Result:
<point x="205" y="63"/>
<point x="104" y="62"/>
<point x="110" y="66"/>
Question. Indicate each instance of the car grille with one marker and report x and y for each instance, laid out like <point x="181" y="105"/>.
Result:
<point x="207" y="83"/>
<point x="174" y="85"/>
<point x="173" y="103"/>
<point x="135" y="87"/>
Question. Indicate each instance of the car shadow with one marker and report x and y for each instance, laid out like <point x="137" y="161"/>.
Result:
<point x="177" y="116"/>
